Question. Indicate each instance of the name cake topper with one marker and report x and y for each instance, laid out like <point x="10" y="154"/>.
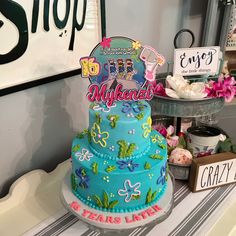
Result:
<point x="120" y="68"/>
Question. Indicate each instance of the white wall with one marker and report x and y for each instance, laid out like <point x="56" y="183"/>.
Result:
<point x="156" y="22"/>
<point x="37" y="126"/>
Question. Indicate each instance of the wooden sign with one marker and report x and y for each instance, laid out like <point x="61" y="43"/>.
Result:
<point x="196" y="61"/>
<point x="212" y="171"/>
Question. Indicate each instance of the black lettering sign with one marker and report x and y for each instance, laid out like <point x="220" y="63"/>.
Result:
<point x="60" y="24"/>
<point x="198" y="59"/>
<point x="202" y="177"/>
<point x="228" y="170"/>
<point x="209" y="176"/>
<point x="220" y="180"/>
<point x="15" y="13"/>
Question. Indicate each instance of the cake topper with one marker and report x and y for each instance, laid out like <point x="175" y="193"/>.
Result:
<point x="121" y="69"/>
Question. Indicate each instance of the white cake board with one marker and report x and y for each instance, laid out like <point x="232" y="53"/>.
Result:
<point x="165" y="203"/>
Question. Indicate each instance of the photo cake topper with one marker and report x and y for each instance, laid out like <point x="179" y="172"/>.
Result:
<point x="121" y="69"/>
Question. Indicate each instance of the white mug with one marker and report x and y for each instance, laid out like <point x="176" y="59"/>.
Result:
<point x="203" y="140"/>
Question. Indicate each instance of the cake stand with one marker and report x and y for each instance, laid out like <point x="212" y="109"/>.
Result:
<point x="153" y="214"/>
<point x="185" y="107"/>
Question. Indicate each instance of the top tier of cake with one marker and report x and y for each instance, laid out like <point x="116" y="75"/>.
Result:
<point x="121" y="131"/>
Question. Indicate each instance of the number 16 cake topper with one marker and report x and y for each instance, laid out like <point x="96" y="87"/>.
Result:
<point x="120" y="68"/>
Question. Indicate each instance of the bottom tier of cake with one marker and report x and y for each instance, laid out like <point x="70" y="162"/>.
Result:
<point x="102" y="221"/>
<point x="119" y="185"/>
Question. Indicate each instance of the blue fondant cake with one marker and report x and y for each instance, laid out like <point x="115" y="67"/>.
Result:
<point x="119" y="164"/>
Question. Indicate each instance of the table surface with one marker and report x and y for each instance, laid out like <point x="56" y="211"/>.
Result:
<point x="33" y="206"/>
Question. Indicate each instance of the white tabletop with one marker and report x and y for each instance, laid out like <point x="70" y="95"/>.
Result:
<point x="34" y="204"/>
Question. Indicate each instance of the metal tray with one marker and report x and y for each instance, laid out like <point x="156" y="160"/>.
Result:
<point x="185" y="107"/>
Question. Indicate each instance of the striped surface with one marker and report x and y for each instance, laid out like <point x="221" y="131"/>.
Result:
<point x="191" y="211"/>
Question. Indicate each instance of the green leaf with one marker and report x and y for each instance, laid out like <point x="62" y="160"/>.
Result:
<point x="154" y="196"/>
<point x="82" y="134"/>
<point x="113" y="124"/>
<point x="113" y="204"/>
<point x="123" y="148"/>
<point x="182" y="142"/>
<point x="97" y="200"/>
<point x="139" y="116"/>
<point x="89" y="137"/>
<point x="149" y="196"/>
<point x="225" y="146"/>
<point x="91" y="105"/>
<point x="105" y="200"/>
<point x="156" y="156"/>
<point x="131" y="149"/>
<point x="83" y="172"/>
<point x="98" y="118"/>
<point x="113" y="120"/>
<point x="95" y="168"/>
<point x="110" y="169"/>
<point x="76" y="148"/>
<point x="73" y="182"/>
<point x="233" y="148"/>
<point x="135" y="197"/>
<point x="147" y="166"/>
<point x="162" y="146"/>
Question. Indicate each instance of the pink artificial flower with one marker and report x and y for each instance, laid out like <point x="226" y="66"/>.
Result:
<point x="229" y="81"/>
<point x="159" y="90"/>
<point x="224" y="87"/>
<point x="170" y="130"/>
<point x="161" y="129"/>
<point x="180" y="156"/>
<point x="163" y="132"/>
<point x="173" y="141"/>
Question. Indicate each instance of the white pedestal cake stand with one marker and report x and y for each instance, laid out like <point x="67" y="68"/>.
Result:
<point x="155" y="213"/>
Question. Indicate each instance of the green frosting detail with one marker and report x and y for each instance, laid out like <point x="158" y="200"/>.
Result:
<point x="91" y="106"/>
<point x="135" y="197"/>
<point x="76" y="148"/>
<point x="161" y="145"/>
<point x="167" y="171"/>
<point x="156" y="156"/>
<point x="125" y="149"/>
<point x="89" y="137"/>
<point x="147" y="166"/>
<point x="82" y="134"/>
<point x="83" y="172"/>
<point x="131" y="149"/>
<point x="113" y="120"/>
<point x="98" y="118"/>
<point x="97" y="200"/>
<point x="150" y="196"/>
<point x="139" y="116"/>
<point x="110" y="169"/>
<point x="95" y="168"/>
<point x="112" y="204"/>
<point x="105" y="201"/>
<point x="73" y="182"/>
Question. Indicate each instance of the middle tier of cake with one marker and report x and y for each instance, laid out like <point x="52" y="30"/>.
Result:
<point x="121" y="130"/>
